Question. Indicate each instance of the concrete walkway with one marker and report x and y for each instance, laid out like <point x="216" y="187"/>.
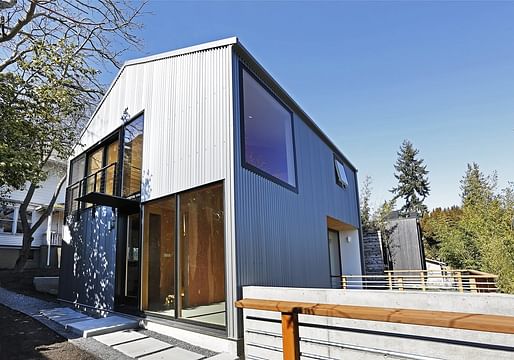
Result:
<point x="112" y="337"/>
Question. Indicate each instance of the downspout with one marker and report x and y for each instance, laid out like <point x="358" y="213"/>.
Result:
<point x="48" y="237"/>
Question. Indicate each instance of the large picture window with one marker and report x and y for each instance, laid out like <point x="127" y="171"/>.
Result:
<point x="267" y="133"/>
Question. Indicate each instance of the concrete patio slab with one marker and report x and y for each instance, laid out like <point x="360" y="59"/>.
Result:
<point x="142" y="347"/>
<point x="119" y="337"/>
<point x="66" y="322"/>
<point x="56" y="312"/>
<point x="100" y="326"/>
<point x="175" y="353"/>
<point x="64" y="316"/>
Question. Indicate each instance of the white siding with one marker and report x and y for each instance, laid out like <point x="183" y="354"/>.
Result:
<point x="43" y="194"/>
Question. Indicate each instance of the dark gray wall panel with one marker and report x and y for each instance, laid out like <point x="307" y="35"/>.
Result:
<point x="281" y="236"/>
<point x="88" y="262"/>
<point x="405" y="244"/>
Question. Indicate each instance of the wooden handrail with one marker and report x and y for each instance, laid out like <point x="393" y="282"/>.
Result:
<point x="445" y="319"/>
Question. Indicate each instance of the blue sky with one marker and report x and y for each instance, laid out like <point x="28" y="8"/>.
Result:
<point x="374" y="73"/>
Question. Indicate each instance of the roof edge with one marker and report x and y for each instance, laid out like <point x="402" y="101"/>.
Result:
<point x="275" y="86"/>
<point x="187" y="50"/>
<point x="177" y="52"/>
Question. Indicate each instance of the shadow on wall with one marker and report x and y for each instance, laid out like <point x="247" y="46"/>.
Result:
<point x="146" y="188"/>
<point x="89" y="276"/>
<point x="88" y="261"/>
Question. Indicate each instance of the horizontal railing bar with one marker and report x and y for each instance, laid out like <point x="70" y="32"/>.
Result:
<point x="445" y="319"/>
<point x="417" y="276"/>
<point x="91" y="175"/>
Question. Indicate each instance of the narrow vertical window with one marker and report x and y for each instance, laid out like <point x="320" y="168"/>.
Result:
<point x="133" y="157"/>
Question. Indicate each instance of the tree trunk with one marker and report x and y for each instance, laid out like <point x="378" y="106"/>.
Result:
<point x="28" y="231"/>
<point x="24" y="253"/>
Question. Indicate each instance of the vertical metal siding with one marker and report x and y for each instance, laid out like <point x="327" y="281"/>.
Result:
<point x="281" y="236"/>
<point x="187" y="102"/>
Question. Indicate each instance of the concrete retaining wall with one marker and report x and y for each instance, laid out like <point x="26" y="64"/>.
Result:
<point x="331" y="338"/>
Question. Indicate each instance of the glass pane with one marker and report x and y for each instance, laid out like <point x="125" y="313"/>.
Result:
<point x="132" y="271"/>
<point x="133" y="157"/>
<point x="341" y="174"/>
<point x="202" y="255"/>
<point x="77" y="169"/>
<point x="335" y="258"/>
<point x="268" y="138"/>
<point x="158" y="290"/>
<point x="94" y="163"/>
<point x="6" y="219"/>
<point x="110" y="172"/>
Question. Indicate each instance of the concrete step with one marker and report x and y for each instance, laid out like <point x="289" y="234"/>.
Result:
<point x="142" y="347"/>
<point x="223" y="356"/>
<point x="101" y="326"/>
<point x="47" y="284"/>
<point x="174" y="353"/>
<point x="64" y="315"/>
<point x="119" y="337"/>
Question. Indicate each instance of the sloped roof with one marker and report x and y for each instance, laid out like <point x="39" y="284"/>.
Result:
<point x="254" y="64"/>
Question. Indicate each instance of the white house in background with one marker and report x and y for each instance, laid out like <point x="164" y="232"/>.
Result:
<point x="198" y="175"/>
<point x="47" y="236"/>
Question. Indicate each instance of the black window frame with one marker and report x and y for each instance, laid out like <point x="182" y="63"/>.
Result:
<point x="122" y="152"/>
<point x="244" y="163"/>
<point x="339" y="181"/>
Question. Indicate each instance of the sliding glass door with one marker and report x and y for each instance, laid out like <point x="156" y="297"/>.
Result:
<point x="183" y="244"/>
<point x="158" y="266"/>
<point x="202" y="255"/>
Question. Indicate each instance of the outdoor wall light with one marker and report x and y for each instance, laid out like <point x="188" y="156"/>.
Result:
<point x="348" y="239"/>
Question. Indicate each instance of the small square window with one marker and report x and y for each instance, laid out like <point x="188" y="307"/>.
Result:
<point x="341" y="178"/>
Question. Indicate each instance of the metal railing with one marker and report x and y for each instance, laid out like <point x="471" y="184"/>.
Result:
<point x="423" y="280"/>
<point x="290" y="310"/>
<point x="103" y="181"/>
<point x="55" y="239"/>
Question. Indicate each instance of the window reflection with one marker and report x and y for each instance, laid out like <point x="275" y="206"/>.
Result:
<point x="133" y="157"/>
<point x="268" y="136"/>
<point x="159" y="257"/>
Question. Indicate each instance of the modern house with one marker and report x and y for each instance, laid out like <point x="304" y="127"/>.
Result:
<point x="198" y="175"/>
<point x="45" y="248"/>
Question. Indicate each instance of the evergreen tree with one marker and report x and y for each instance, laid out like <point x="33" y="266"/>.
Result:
<point x="365" y="207"/>
<point x="413" y="185"/>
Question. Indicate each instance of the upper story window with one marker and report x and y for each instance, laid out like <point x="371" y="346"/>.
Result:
<point x="7" y="219"/>
<point x="101" y="165"/>
<point x="133" y="156"/>
<point x="104" y="176"/>
<point x="267" y="133"/>
<point x="341" y="178"/>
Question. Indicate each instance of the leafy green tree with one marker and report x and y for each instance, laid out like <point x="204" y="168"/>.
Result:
<point x="412" y="176"/>
<point x="49" y="79"/>
<point x="479" y="235"/>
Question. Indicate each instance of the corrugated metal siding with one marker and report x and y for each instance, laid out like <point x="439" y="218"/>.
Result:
<point x="187" y="103"/>
<point x="188" y="112"/>
<point x="281" y="236"/>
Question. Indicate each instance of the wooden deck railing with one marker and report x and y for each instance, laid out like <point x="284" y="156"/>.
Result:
<point x="424" y="280"/>
<point x="445" y="319"/>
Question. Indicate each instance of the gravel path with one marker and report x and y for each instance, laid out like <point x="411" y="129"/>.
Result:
<point x="31" y="307"/>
